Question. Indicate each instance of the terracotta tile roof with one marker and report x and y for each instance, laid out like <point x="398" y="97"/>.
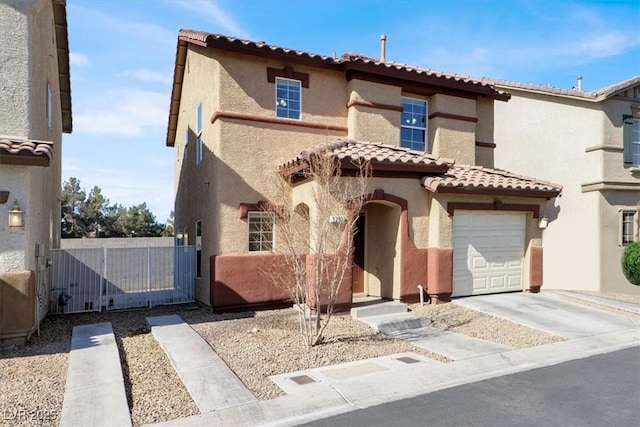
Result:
<point x="428" y="72"/>
<point x="204" y="38"/>
<point x="25" y="152"/>
<point x="382" y="157"/>
<point x="480" y="180"/>
<point x="348" y="61"/>
<point x="595" y="95"/>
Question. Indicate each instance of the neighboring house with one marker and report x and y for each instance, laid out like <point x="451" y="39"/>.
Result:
<point x="35" y="109"/>
<point x="590" y="143"/>
<point x="438" y="214"/>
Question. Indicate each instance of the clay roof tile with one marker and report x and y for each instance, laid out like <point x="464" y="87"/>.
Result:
<point x="476" y="179"/>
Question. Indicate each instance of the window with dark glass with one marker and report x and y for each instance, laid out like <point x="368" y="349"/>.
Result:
<point x="413" y="127"/>
<point x="288" y="98"/>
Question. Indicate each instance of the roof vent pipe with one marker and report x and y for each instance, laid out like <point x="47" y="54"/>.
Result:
<point x="383" y="47"/>
<point x="580" y="83"/>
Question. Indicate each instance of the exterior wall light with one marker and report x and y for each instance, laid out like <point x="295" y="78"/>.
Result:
<point x="543" y="223"/>
<point x="16" y="216"/>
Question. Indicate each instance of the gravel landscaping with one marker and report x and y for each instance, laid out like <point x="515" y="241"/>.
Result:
<point x="254" y="344"/>
<point x="454" y="318"/>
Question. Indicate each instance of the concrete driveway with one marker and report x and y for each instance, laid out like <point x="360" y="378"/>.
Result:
<point x="549" y="314"/>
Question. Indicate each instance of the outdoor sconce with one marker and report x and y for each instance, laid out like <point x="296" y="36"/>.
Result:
<point x="16" y="216"/>
<point x="543" y="223"/>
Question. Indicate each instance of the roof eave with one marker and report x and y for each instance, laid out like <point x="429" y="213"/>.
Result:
<point x="514" y="192"/>
<point x="64" y="77"/>
<point x="176" y="91"/>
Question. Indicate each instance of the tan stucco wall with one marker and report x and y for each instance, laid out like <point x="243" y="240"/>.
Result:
<point x="233" y="169"/>
<point x="452" y="138"/>
<point x="244" y="79"/>
<point x="30" y="65"/>
<point x="373" y="124"/>
<point x="546" y="137"/>
<point x="610" y="205"/>
<point x="417" y="204"/>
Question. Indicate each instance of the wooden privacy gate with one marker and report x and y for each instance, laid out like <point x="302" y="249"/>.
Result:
<point x="96" y="279"/>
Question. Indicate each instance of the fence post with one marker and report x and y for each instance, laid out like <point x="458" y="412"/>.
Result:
<point x="103" y="275"/>
<point x="149" y="275"/>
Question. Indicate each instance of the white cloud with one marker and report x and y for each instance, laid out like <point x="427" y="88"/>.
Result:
<point x="214" y="13"/>
<point x="79" y="59"/>
<point x="602" y="45"/>
<point x="148" y="76"/>
<point x="122" y="112"/>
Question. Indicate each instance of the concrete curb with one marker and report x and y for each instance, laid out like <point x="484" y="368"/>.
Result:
<point x="377" y="387"/>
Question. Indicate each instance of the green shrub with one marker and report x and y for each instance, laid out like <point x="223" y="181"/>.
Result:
<point x="631" y="263"/>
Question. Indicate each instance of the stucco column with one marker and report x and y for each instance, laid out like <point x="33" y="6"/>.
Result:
<point x="440" y="274"/>
<point x="535" y="269"/>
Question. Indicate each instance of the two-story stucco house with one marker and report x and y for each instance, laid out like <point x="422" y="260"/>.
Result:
<point x="438" y="214"/>
<point x="35" y="109"/>
<point x="590" y="143"/>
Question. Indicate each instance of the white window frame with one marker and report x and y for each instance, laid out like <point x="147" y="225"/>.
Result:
<point x="264" y="244"/>
<point x="278" y="101"/>
<point x="414" y="125"/>
<point x="199" y="144"/>
<point x="628" y="219"/>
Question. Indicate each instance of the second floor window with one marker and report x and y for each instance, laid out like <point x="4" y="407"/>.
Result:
<point x="631" y="134"/>
<point x="413" y="127"/>
<point x="288" y="98"/>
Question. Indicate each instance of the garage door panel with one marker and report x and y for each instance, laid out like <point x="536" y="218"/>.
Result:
<point x="488" y="252"/>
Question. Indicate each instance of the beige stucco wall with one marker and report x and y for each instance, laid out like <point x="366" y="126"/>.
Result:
<point x="30" y="67"/>
<point x="233" y="169"/>
<point x="452" y="138"/>
<point x="610" y="205"/>
<point x="547" y="137"/>
<point x="374" y="124"/>
<point x="29" y="60"/>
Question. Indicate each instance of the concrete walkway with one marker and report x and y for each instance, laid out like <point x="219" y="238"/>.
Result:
<point x="549" y="314"/>
<point x="94" y="394"/>
<point x="210" y="382"/>
<point x="607" y="302"/>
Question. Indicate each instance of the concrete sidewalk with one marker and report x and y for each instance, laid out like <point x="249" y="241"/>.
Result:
<point x="549" y="314"/>
<point x="210" y="382"/>
<point x="370" y="385"/>
<point x="607" y="302"/>
<point x="94" y="394"/>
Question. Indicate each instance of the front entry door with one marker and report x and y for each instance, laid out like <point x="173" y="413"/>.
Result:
<point x="358" y="257"/>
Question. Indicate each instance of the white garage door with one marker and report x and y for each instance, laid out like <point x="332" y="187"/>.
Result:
<point x="488" y="250"/>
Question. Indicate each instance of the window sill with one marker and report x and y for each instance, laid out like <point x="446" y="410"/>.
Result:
<point x="634" y="170"/>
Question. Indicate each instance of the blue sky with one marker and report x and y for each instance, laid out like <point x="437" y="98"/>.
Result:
<point x="123" y="51"/>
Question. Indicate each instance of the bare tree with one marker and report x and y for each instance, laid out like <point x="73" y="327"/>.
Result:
<point x="315" y="230"/>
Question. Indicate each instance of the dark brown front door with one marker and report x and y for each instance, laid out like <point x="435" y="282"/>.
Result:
<point x="358" y="257"/>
